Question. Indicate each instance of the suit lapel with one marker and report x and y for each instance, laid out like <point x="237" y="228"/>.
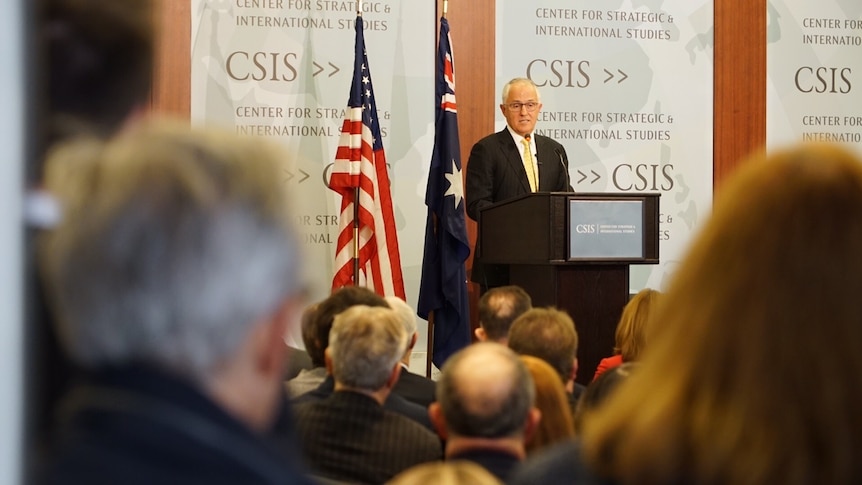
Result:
<point x="512" y="156"/>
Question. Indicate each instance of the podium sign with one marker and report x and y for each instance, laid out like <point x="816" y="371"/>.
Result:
<point x="603" y="228"/>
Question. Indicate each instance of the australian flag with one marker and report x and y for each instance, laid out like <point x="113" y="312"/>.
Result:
<point x="443" y="289"/>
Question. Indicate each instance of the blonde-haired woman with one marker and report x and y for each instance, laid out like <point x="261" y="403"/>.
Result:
<point x="630" y="333"/>
<point x="755" y="375"/>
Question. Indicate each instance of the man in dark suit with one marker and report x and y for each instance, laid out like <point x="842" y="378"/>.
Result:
<point x="350" y="436"/>
<point x="412" y="387"/>
<point x="485" y="409"/>
<point x="513" y="162"/>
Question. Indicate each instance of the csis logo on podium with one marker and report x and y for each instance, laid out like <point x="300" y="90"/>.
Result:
<point x="585" y="228"/>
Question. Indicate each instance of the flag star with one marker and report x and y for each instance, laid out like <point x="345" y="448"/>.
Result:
<point x="365" y="80"/>
<point x="456" y="187"/>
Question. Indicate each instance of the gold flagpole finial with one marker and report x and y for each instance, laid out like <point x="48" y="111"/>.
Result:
<point x="445" y="7"/>
<point x="358" y="7"/>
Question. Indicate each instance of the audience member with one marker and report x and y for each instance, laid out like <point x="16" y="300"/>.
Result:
<point x="498" y="308"/>
<point x="156" y="296"/>
<point x="485" y="407"/>
<point x="95" y="66"/>
<point x="598" y="391"/>
<point x="412" y="387"/>
<point x="299" y="358"/>
<point x="99" y="64"/>
<point x="631" y="329"/>
<point x="459" y="472"/>
<point x="556" y="424"/>
<point x="315" y="333"/>
<point x="550" y="335"/>
<point x="349" y="436"/>
<point x="755" y="374"/>
<point x="316" y="338"/>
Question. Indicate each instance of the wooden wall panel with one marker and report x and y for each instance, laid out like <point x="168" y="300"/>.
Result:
<point x="473" y="41"/>
<point x="172" y="73"/>
<point x="473" y="44"/>
<point x="740" y="83"/>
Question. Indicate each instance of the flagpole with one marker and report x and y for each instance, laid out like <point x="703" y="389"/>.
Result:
<point x="356" y="202"/>
<point x="445" y="8"/>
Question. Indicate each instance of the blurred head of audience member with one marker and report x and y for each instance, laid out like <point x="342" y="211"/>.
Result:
<point x="550" y="335"/>
<point x="556" y="424"/>
<point x="485" y="403"/>
<point x="174" y="272"/>
<point x="755" y="374"/>
<point x="99" y="66"/>
<point x="461" y="472"/>
<point x="498" y="308"/>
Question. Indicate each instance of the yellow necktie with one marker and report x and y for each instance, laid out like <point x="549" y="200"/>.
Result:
<point x="528" y="165"/>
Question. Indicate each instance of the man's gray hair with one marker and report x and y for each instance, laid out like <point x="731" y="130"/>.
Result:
<point x="405" y="313"/>
<point x="174" y="243"/>
<point x="519" y="80"/>
<point x="365" y="344"/>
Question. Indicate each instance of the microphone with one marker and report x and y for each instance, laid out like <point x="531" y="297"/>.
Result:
<point x="535" y="155"/>
<point x="564" y="163"/>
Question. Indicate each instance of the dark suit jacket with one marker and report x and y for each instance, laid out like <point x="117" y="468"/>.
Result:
<point x="415" y="388"/>
<point x="561" y="463"/>
<point x="394" y="403"/>
<point x="349" y="436"/>
<point x="136" y="425"/>
<point x="495" y="172"/>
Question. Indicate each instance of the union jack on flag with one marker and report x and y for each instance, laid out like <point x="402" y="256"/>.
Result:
<point x="360" y="163"/>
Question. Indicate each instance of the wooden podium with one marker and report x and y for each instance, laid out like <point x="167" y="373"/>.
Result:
<point x="573" y="251"/>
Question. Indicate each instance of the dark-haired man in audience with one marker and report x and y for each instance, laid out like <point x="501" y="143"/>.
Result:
<point x="485" y="407"/>
<point x="412" y="387"/>
<point x="550" y="335"/>
<point x="350" y="436"/>
<point x="498" y="308"/>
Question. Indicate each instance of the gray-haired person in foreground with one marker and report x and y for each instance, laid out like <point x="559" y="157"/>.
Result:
<point x="175" y="274"/>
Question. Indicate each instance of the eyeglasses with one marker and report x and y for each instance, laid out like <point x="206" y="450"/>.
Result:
<point x="531" y="106"/>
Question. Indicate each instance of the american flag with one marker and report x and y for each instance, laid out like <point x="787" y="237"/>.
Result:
<point x="443" y="289"/>
<point x="361" y="163"/>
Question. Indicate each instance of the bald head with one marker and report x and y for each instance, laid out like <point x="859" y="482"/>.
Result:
<point x="485" y="391"/>
<point x="498" y="308"/>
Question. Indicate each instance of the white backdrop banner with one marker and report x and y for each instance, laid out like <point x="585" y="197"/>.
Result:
<point x="627" y="89"/>
<point x="283" y="68"/>
<point x="814" y="72"/>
